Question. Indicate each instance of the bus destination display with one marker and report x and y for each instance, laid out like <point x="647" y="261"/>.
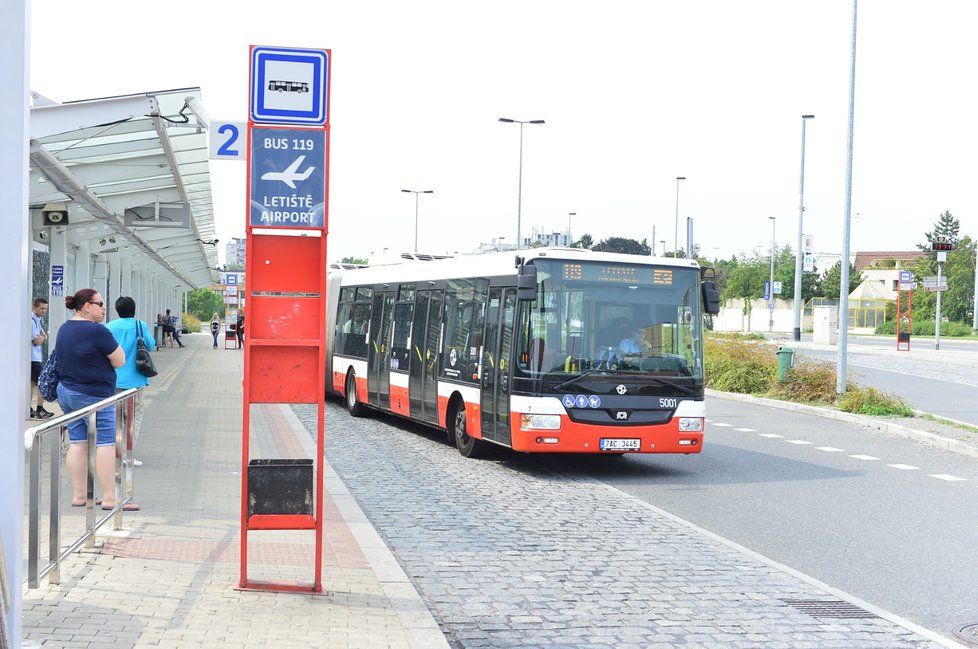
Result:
<point x="618" y="274"/>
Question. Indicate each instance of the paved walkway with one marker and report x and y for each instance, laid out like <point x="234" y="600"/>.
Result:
<point x="169" y="579"/>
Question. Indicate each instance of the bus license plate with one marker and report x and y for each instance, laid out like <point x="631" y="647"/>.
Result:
<point x="621" y="444"/>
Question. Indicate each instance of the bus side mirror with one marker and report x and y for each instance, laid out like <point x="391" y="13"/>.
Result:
<point x="526" y="284"/>
<point x="711" y="298"/>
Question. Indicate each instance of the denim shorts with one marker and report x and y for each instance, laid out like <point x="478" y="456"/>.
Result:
<point x="78" y="430"/>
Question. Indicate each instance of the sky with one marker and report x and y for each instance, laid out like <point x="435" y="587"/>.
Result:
<point x="633" y="94"/>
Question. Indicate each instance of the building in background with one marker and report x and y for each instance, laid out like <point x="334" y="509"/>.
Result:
<point x="885" y="266"/>
<point x="235" y="251"/>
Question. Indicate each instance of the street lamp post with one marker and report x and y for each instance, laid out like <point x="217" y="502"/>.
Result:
<point x="519" y="199"/>
<point x="801" y="219"/>
<point x="675" y="241"/>
<point x="770" y="302"/>
<point x="417" y="193"/>
<point x="840" y="380"/>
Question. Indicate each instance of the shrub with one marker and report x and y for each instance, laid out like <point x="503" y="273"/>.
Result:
<point x="926" y="328"/>
<point x="809" y="381"/>
<point x="870" y="401"/>
<point x="734" y="365"/>
<point x="191" y="322"/>
<point x="736" y="335"/>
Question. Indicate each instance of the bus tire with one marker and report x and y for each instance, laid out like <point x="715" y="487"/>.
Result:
<point x="469" y="447"/>
<point x="353" y="406"/>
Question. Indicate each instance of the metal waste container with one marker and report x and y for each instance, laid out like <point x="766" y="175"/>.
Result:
<point x="786" y="357"/>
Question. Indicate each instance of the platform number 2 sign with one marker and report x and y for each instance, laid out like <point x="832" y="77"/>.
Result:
<point x="227" y="140"/>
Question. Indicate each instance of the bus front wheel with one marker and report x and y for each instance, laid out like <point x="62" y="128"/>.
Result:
<point x="352" y="404"/>
<point x="468" y="446"/>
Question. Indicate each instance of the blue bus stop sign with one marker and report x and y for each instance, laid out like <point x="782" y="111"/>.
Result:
<point x="288" y="178"/>
<point x="289" y="86"/>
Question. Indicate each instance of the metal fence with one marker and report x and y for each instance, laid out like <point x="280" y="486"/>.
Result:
<point x="124" y="403"/>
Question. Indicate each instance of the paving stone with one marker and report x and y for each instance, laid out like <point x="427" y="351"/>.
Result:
<point x="511" y="542"/>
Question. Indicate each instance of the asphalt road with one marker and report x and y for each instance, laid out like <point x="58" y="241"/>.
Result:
<point x="955" y="396"/>
<point x="895" y="536"/>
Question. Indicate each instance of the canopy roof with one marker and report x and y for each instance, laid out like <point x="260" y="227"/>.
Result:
<point x="111" y="154"/>
<point x="871" y="289"/>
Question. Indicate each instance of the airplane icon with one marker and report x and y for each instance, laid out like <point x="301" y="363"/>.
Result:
<point x="290" y="175"/>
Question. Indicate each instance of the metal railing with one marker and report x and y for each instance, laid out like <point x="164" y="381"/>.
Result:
<point x="125" y="403"/>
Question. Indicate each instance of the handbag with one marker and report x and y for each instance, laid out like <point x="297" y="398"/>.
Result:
<point x="48" y="379"/>
<point x="144" y="362"/>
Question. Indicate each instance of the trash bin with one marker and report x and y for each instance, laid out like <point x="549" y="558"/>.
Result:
<point x="904" y="337"/>
<point x="786" y="357"/>
<point x="280" y="486"/>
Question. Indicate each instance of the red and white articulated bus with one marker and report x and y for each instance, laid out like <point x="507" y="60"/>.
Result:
<point x="544" y="350"/>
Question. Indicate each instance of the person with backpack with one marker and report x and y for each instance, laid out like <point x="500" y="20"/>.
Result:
<point x="215" y="327"/>
<point x="127" y="330"/>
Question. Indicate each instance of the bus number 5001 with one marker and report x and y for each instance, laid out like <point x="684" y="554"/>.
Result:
<point x="667" y="403"/>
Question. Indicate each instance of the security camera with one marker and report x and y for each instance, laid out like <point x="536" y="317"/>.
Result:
<point x="43" y="235"/>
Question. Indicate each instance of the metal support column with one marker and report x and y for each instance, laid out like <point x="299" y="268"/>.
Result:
<point x="15" y="32"/>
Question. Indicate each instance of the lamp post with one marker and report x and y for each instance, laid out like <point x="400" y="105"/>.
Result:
<point x="974" y="316"/>
<point x="519" y="199"/>
<point x="416" y="192"/>
<point x="840" y="384"/>
<point x="801" y="219"/>
<point x="675" y="241"/>
<point x="770" y="302"/>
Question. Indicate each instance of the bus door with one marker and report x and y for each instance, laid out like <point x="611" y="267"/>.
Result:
<point x="496" y="353"/>
<point x="424" y="355"/>
<point x="378" y="359"/>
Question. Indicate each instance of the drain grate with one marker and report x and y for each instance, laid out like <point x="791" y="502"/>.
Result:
<point x="968" y="634"/>
<point x="836" y="609"/>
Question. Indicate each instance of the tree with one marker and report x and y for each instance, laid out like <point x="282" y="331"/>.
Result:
<point x="829" y="285"/>
<point x="586" y="241"/>
<point x="354" y="260"/>
<point x="957" y="302"/>
<point x="746" y="280"/>
<point x="623" y="246"/>
<point x="947" y="228"/>
<point x="204" y="303"/>
<point x="234" y="267"/>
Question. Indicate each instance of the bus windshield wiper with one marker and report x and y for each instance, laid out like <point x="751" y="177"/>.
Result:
<point x="671" y="384"/>
<point x="575" y="379"/>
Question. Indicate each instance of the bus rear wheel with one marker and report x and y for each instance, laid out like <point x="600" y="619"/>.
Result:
<point x="353" y="405"/>
<point x="468" y="446"/>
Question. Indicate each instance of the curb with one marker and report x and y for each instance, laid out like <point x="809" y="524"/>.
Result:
<point x="943" y="443"/>
<point x="927" y="355"/>
<point x="419" y="624"/>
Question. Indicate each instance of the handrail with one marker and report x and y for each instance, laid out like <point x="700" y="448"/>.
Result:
<point x="124" y="403"/>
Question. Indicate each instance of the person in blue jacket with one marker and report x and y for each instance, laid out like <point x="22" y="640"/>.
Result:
<point x="125" y="329"/>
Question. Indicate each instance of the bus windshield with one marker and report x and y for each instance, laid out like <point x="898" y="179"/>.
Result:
<point x="610" y="319"/>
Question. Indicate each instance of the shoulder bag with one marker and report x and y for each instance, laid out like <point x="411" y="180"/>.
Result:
<point x="144" y="362"/>
<point x="50" y="376"/>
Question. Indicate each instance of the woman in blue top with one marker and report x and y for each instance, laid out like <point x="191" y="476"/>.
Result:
<point x="126" y="329"/>
<point x="88" y="356"/>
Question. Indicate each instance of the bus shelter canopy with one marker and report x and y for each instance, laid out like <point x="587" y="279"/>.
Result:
<point x="145" y="153"/>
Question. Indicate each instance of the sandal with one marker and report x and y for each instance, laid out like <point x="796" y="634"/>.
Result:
<point x="75" y="503"/>
<point x="128" y="507"/>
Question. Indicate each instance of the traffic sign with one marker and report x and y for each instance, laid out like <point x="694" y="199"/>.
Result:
<point x="808" y="263"/>
<point x="906" y="276"/>
<point x="288" y="178"/>
<point x="931" y="285"/>
<point x="57" y="280"/>
<point x="289" y="86"/>
<point x="777" y="288"/>
<point x="226" y="140"/>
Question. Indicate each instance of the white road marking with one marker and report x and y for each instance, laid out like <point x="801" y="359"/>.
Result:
<point x="745" y="430"/>
<point x="797" y="441"/>
<point x="904" y="467"/>
<point x="769" y="435"/>
<point x="867" y="458"/>
<point x="830" y="449"/>
<point x="723" y="425"/>
<point x="946" y="477"/>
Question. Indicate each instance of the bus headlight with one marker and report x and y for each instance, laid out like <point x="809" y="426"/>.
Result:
<point x="540" y="422"/>
<point x="690" y="424"/>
